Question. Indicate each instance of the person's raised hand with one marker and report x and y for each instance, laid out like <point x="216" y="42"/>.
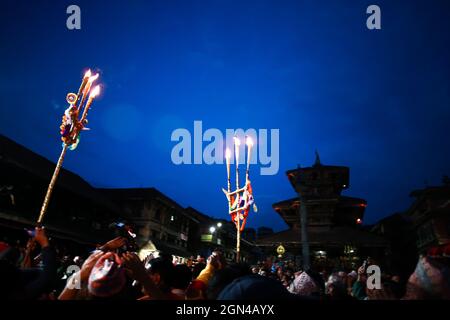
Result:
<point x="114" y="244"/>
<point x="89" y="264"/>
<point x="131" y="262"/>
<point x="40" y="237"/>
<point x="361" y="270"/>
<point x="31" y="245"/>
<point x="217" y="260"/>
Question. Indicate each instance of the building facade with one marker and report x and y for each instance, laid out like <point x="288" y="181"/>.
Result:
<point x="430" y="214"/>
<point x="160" y="224"/>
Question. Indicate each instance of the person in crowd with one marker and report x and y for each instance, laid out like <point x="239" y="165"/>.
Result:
<point x="256" y="287"/>
<point x="199" y="265"/>
<point x="197" y="288"/>
<point x="38" y="269"/>
<point x="351" y="278"/>
<point x="336" y="287"/>
<point x="359" y="286"/>
<point x="224" y="276"/>
<point x="182" y="277"/>
<point x="304" y="285"/>
<point x="431" y="278"/>
<point x="29" y="283"/>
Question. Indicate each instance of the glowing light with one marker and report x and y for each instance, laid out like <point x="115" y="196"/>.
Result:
<point x="228" y="153"/>
<point x="93" y="78"/>
<point x="88" y="73"/>
<point x="95" y="92"/>
<point x="212" y="229"/>
<point x="249" y="141"/>
<point x="219" y="224"/>
<point x="358" y="221"/>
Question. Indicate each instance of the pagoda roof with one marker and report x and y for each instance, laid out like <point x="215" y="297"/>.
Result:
<point x="337" y="236"/>
<point x="344" y="201"/>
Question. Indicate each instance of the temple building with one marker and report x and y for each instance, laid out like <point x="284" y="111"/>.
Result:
<point x="333" y="224"/>
<point x="430" y="214"/>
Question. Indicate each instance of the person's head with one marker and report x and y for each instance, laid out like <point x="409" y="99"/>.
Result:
<point x="343" y="276"/>
<point x="430" y="280"/>
<point x="288" y="272"/>
<point x="255" y="287"/>
<point x="336" y="287"/>
<point x="304" y="285"/>
<point x="286" y="280"/>
<point x="182" y="276"/>
<point x="161" y="272"/>
<point x="280" y="272"/>
<point x="225" y="276"/>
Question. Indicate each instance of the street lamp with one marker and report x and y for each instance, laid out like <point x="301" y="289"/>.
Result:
<point x="219" y="224"/>
<point x="212" y="229"/>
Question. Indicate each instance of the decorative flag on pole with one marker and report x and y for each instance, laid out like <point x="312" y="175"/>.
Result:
<point x="240" y="200"/>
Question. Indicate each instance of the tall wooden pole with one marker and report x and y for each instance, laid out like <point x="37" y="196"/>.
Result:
<point x="238" y="225"/>
<point x="304" y="233"/>
<point x="51" y="185"/>
<point x="238" y="214"/>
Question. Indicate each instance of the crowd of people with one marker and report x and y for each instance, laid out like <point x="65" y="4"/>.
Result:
<point x="40" y="271"/>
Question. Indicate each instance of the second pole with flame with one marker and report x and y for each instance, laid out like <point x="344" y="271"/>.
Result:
<point x="74" y="120"/>
<point x="241" y="199"/>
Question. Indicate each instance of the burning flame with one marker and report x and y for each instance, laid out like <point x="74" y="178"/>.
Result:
<point x="249" y="141"/>
<point x="95" y="92"/>
<point x="93" y="78"/>
<point x="87" y="73"/>
<point x="237" y="141"/>
<point x="227" y="153"/>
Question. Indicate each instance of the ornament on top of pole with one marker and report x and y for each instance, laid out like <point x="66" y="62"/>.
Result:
<point x="71" y="126"/>
<point x="241" y="199"/>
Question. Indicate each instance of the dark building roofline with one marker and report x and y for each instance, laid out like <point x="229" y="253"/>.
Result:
<point x="15" y="154"/>
<point x="199" y="216"/>
<point x="151" y="192"/>
<point x="444" y="189"/>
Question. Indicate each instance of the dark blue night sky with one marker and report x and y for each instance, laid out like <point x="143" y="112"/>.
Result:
<point x="376" y="101"/>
